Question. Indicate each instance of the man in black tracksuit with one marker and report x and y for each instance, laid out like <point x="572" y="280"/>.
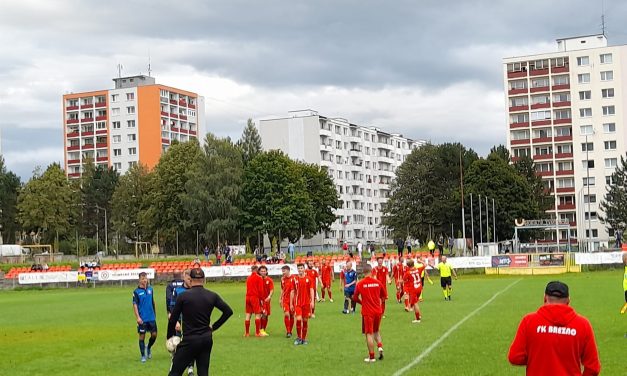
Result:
<point x="196" y="305"/>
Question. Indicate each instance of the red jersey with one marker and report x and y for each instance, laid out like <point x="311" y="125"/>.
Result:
<point x="303" y="287"/>
<point x="268" y="285"/>
<point x="254" y="286"/>
<point x="287" y="285"/>
<point x="398" y="271"/>
<point x="381" y="274"/>
<point x="326" y="273"/>
<point x="555" y="341"/>
<point x="313" y="273"/>
<point x="421" y="268"/>
<point x="412" y="281"/>
<point x="369" y="293"/>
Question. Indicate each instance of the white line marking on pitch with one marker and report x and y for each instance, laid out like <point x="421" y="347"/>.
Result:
<point x="435" y="344"/>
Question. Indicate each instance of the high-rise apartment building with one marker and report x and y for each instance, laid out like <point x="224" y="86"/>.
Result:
<point x="134" y="122"/>
<point x="565" y="110"/>
<point x="361" y="160"/>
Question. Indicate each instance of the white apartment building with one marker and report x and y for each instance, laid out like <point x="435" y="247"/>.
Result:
<point x="361" y="160"/>
<point x="565" y="110"/>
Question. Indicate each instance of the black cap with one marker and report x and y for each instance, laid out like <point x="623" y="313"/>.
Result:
<point x="556" y="289"/>
<point x="197" y="273"/>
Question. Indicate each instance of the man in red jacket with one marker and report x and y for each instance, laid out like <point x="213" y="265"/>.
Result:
<point x="555" y="340"/>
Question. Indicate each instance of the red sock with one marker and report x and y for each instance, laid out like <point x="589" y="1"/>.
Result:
<point x="299" y="329"/>
<point x="257" y="326"/>
<point x="371" y="355"/>
<point x="305" y="327"/>
<point x="313" y="310"/>
<point x="330" y="294"/>
<point x="398" y="295"/>
<point x="406" y="303"/>
<point x="417" y="315"/>
<point x="379" y="344"/>
<point x="247" y="326"/>
<point x="264" y="323"/>
<point x="291" y="323"/>
<point x="286" y="321"/>
<point x="323" y="294"/>
<point x="383" y="306"/>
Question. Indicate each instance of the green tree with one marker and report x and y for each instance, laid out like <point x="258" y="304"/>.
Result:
<point x="614" y="204"/>
<point x="324" y="198"/>
<point x="165" y="212"/>
<point x="9" y="191"/>
<point x="526" y="168"/>
<point x="500" y="151"/>
<point x="274" y="197"/>
<point x="250" y="143"/>
<point x="97" y="185"/>
<point x="213" y="189"/>
<point x="47" y="204"/>
<point x="127" y="203"/>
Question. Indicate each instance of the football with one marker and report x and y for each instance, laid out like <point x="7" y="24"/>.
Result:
<point x="172" y="343"/>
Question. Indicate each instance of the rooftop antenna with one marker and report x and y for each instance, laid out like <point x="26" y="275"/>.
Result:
<point x="149" y="70"/>
<point x="603" y="17"/>
<point x="120" y="67"/>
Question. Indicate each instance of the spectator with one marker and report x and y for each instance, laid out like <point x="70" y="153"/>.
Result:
<point x="360" y="249"/>
<point x="619" y="238"/>
<point x="291" y="249"/>
<point x="218" y="255"/>
<point x="451" y="243"/>
<point x="206" y="252"/>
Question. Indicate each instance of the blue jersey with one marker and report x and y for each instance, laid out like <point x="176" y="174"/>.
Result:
<point x="350" y="276"/>
<point x="143" y="299"/>
<point x="178" y="290"/>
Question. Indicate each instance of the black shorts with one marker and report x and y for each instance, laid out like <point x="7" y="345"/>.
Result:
<point x="147" y="326"/>
<point x="446" y="281"/>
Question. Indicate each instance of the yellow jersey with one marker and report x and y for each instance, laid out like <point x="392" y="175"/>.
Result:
<point x="625" y="279"/>
<point x="445" y="269"/>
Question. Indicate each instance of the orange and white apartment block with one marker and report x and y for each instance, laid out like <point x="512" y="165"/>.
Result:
<point x="132" y="123"/>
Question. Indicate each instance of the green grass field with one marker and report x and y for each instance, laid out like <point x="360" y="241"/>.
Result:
<point x="92" y="331"/>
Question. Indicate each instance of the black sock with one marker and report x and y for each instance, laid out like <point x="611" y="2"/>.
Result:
<point x="142" y="347"/>
<point x="151" y="342"/>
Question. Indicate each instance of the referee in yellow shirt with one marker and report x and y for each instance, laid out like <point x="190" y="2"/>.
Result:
<point x="446" y="270"/>
<point x="624" y="309"/>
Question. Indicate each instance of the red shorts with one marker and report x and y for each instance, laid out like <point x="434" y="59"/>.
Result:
<point x="370" y="324"/>
<point x="326" y="284"/>
<point x="253" y="305"/>
<point x="266" y="307"/>
<point x="285" y="304"/>
<point x="304" y="311"/>
<point x="414" y="295"/>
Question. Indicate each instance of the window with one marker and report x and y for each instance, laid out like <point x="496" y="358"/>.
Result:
<point x="563" y="131"/>
<point x="101" y="125"/>
<point x="609" y="110"/>
<point x="585" y="112"/>
<point x="132" y="137"/>
<point x="607" y="93"/>
<point x="117" y="166"/>
<point x="117" y="152"/>
<point x="587" y="163"/>
<point x="544" y="167"/>
<point x="539" y="64"/>
<point x="605" y="58"/>
<point x="588" y="181"/>
<point x="519" y="84"/>
<point x="519" y="118"/>
<point x="543" y="150"/>
<point x="130" y="124"/>
<point x="587" y="146"/>
<point x="114" y="97"/>
<point x="115" y="111"/>
<point x="586" y="130"/>
<point x="561" y="80"/>
<point x="585" y="95"/>
<point x="590" y="215"/>
<point x="540" y="115"/>
<point x="523" y="152"/>
<point x="564" y="149"/>
<point x="542" y="133"/>
<point x="518" y="101"/>
<point x="566" y="183"/>
<point x="611" y="162"/>
<point x="132" y="164"/>
<point x="583" y="60"/>
<point x="595" y="233"/>
<point x="540" y="99"/>
<point x="590" y="198"/>
<point x="561" y="97"/>
<point x="583" y="78"/>
<point x="117" y="139"/>
<point x="540" y="82"/>
<point x="607" y="76"/>
<point x="563" y="114"/>
<point x="116" y="125"/>
<point x="610" y="145"/>
<point x="130" y="109"/>
<point x="609" y="127"/>
<point x="130" y="96"/>
<point x="516" y="67"/>
<point x="564" y="166"/>
<point x="132" y="151"/>
<point x="609" y="180"/>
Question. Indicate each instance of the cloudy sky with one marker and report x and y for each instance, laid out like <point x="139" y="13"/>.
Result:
<point x="428" y="69"/>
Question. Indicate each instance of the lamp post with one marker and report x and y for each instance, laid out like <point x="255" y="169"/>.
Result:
<point x="588" y="192"/>
<point x="106" y="230"/>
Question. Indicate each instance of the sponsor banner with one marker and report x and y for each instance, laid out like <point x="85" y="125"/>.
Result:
<point x="48" y="277"/>
<point x="122" y="274"/>
<point x="212" y="271"/>
<point x="551" y="259"/>
<point x="469" y="262"/>
<point x="244" y="270"/>
<point x="510" y="261"/>
<point x="598" y="258"/>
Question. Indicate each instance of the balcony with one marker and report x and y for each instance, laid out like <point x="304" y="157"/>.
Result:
<point x="174" y="116"/>
<point x="517" y="74"/>
<point x="101" y="104"/>
<point x="102" y="159"/>
<point x="542" y="140"/>
<point x="101" y="118"/>
<point x="565" y="190"/>
<point x="540" y="105"/>
<point x="540" y="122"/>
<point x="182" y="103"/>
<point x="87" y="120"/>
<point x="563" y="121"/>
<point x="539" y="89"/>
<point x="101" y="145"/>
<point x="74" y="174"/>
<point x="539" y="72"/>
<point x="73" y="161"/>
<point x="565" y="172"/>
<point x="515" y="159"/>
<point x="71" y="108"/>
<point x="172" y="101"/>
<point x="544" y="173"/>
<point x="566" y="207"/>
<point x="163" y="113"/>
<point x="192" y="106"/>
<point x="519" y="108"/>
<point x="542" y="156"/>
<point x="563" y="155"/>
<point x="88" y="146"/>
<point x="193" y="133"/>
<point x="174" y="129"/>
<point x="563" y="69"/>
<point x="182" y="117"/>
<point x="72" y="134"/>
<point x="165" y="141"/>
<point x="184" y="131"/>
<point x="520" y="142"/>
<point x="518" y="91"/>
<point x="563" y="138"/>
<point x="561" y="104"/>
<point x="519" y="125"/>
<point x="71" y="121"/>
<point x="87" y="106"/>
<point x="561" y="87"/>
<point x="73" y="147"/>
<point x="87" y="133"/>
<point x="101" y="131"/>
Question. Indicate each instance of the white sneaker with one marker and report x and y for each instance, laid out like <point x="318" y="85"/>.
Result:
<point x="331" y="300"/>
<point x="380" y="353"/>
<point x="368" y="360"/>
<point x="415" y="321"/>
